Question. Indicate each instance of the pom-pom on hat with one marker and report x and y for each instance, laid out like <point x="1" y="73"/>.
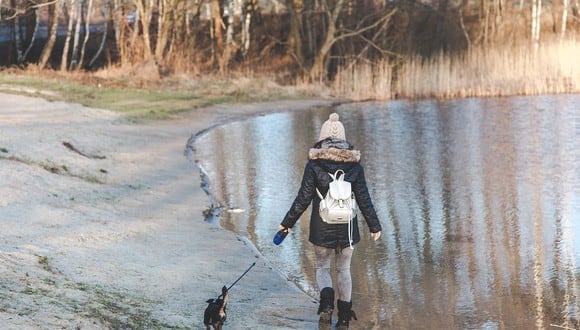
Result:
<point x="332" y="128"/>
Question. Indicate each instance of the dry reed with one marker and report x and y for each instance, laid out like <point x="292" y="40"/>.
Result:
<point x="364" y="81"/>
<point x="552" y="68"/>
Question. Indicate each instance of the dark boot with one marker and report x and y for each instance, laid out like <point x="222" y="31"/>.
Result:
<point x="326" y="307"/>
<point x="345" y="314"/>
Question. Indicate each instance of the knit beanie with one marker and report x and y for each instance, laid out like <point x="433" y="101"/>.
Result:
<point x="332" y="128"/>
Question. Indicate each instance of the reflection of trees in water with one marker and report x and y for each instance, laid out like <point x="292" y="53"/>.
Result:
<point x="476" y="200"/>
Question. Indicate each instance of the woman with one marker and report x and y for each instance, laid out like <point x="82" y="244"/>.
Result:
<point x="333" y="152"/>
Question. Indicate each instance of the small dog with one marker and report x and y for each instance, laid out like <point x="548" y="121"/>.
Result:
<point x="215" y="313"/>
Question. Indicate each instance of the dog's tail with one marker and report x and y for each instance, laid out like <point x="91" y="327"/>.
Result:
<point x="225" y="294"/>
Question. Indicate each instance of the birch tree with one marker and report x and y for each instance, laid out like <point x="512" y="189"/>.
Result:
<point x="36" y="10"/>
<point x="536" y="22"/>
<point x="77" y="34"/>
<point x="69" y="32"/>
<point x="87" y="33"/>
<point x="249" y="8"/>
<point x="105" y="12"/>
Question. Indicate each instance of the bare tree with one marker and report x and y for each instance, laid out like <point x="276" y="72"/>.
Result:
<point x="69" y="33"/>
<point x="55" y="10"/>
<point x="164" y="10"/>
<point x="168" y="12"/>
<point x="249" y="8"/>
<point x="294" y="46"/>
<point x="334" y="34"/>
<point x="536" y="22"/>
<point x="145" y="15"/>
<point x="77" y="34"/>
<point x="216" y="25"/>
<point x="87" y="33"/>
<point x="229" y="46"/>
<point x="36" y="10"/>
<point x="105" y="8"/>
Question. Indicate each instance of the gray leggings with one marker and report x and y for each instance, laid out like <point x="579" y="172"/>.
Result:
<point x="323" y="278"/>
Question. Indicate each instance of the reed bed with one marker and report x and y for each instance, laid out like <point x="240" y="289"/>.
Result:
<point x="364" y="81"/>
<point x="551" y="68"/>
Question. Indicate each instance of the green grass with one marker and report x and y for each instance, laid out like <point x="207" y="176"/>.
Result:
<point x="134" y="102"/>
<point x="158" y="100"/>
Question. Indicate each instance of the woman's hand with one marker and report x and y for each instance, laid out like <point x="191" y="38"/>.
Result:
<point x="376" y="235"/>
<point x="284" y="228"/>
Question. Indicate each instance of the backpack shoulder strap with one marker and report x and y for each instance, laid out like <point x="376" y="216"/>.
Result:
<point x="319" y="194"/>
<point x="338" y="175"/>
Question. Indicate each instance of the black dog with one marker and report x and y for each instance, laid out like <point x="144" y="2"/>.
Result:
<point x="215" y="313"/>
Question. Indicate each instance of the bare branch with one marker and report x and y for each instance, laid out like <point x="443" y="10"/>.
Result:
<point x="43" y="4"/>
<point x="366" y="28"/>
<point x="16" y="12"/>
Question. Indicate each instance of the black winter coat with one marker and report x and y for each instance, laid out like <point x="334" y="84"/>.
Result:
<point x="328" y="156"/>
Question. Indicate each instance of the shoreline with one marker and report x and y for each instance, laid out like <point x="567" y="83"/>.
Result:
<point x="119" y="240"/>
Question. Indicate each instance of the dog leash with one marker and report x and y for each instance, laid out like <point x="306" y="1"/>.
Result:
<point x="239" y="278"/>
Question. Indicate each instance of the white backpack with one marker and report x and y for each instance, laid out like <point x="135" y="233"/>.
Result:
<point x="338" y="206"/>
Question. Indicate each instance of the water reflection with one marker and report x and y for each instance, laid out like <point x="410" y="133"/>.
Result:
<point x="479" y="201"/>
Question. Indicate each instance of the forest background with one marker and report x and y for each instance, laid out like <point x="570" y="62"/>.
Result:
<point x="175" y="55"/>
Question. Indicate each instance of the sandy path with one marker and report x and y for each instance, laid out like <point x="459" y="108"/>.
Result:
<point x="114" y="237"/>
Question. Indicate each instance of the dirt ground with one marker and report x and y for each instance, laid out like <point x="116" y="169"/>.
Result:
<point x="101" y="225"/>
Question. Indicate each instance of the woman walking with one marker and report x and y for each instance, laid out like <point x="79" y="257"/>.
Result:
<point x="330" y="155"/>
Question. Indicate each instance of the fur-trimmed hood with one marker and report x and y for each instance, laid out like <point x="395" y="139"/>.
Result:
<point x="335" y="150"/>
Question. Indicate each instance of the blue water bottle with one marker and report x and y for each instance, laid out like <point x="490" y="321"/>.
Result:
<point x="280" y="236"/>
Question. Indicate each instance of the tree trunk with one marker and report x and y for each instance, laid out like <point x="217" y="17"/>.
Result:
<point x="229" y="45"/>
<point x="54" y="14"/>
<point x="145" y="13"/>
<point x="564" y="19"/>
<point x="162" y="29"/>
<point x="536" y="22"/>
<point x="117" y="25"/>
<point x="106" y="14"/>
<point x="75" y="52"/>
<point x="135" y="33"/>
<point x="17" y="34"/>
<point x="294" y="47"/>
<point x="35" y="31"/>
<point x="216" y="29"/>
<point x="69" y="32"/>
<point x="166" y="22"/>
<point x="319" y="66"/>
<point x="336" y="20"/>
<point x="246" y="19"/>
<point x="310" y="28"/>
<point x="87" y="33"/>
